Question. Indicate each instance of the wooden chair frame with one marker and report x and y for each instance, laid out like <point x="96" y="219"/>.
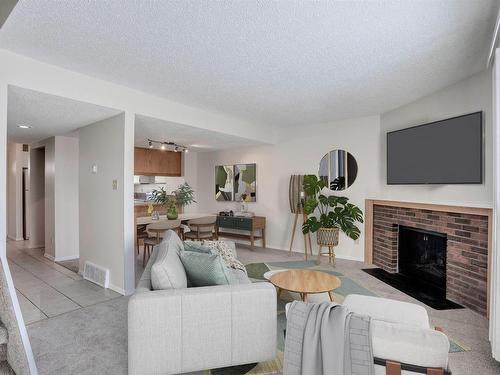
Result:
<point x="200" y="226"/>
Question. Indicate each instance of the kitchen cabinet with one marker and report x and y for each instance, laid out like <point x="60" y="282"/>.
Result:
<point x="148" y="162"/>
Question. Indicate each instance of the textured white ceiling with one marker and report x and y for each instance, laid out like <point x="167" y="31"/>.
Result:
<point x="284" y="62"/>
<point x="49" y="115"/>
<point x="196" y="139"/>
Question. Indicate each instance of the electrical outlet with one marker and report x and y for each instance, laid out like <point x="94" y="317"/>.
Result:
<point x="115" y="185"/>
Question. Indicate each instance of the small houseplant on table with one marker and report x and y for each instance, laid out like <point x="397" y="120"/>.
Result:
<point x="180" y="197"/>
<point x="335" y="213"/>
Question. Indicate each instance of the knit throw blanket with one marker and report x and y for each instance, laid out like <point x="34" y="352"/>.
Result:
<point x="327" y="339"/>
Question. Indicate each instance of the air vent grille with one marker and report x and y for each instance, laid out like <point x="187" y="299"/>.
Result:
<point x="96" y="274"/>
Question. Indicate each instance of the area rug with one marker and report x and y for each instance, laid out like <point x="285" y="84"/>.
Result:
<point x="256" y="273"/>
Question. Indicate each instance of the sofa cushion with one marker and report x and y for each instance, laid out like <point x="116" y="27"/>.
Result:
<point x="167" y="272"/>
<point x="205" y="269"/>
<point x="238" y="277"/>
<point x="227" y="251"/>
<point x="196" y="246"/>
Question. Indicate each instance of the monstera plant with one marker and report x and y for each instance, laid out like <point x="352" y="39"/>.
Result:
<point x="328" y="214"/>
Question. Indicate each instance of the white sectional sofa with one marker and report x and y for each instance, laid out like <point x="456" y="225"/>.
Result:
<point x="189" y="329"/>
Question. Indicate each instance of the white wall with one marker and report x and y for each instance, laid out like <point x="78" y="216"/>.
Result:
<point x="37" y="197"/>
<point x="16" y="161"/>
<point x="190" y="175"/>
<point x="102" y="208"/>
<point x="470" y="95"/>
<point x="494" y="333"/>
<point x="12" y="230"/>
<point x="59" y="194"/>
<point x="300" y="153"/>
<point x="66" y="198"/>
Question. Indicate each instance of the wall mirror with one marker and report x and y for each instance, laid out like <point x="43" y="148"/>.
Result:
<point x="338" y="169"/>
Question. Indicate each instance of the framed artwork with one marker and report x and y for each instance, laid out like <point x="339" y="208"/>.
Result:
<point x="224" y="183"/>
<point x="245" y="181"/>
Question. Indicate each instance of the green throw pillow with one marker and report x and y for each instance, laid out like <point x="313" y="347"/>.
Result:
<point x="204" y="269"/>
<point x="196" y="246"/>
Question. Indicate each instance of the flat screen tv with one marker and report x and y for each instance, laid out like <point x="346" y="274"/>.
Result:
<point x="442" y="152"/>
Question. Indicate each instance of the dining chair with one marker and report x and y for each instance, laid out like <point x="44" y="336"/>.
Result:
<point x="202" y="229"/>
<point x="141" y="235"/>
<point x="156" y="232"/>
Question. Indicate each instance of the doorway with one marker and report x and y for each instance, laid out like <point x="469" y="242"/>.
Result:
<point x="37" y="197"/>
<point x="24" y="203"/>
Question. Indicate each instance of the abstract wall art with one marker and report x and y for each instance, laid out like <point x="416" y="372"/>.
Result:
<point x="224" y="183"/>
<point x="245" y="180"/>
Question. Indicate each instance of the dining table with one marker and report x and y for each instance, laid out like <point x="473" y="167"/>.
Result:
<point x="145" y="220"/>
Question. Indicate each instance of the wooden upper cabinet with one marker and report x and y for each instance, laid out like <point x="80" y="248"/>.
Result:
<point x="148" y="162"/>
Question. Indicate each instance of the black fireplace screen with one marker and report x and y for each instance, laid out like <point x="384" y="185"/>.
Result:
<point x="422" y="256"/>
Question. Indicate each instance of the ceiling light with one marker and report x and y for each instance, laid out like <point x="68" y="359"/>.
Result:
<point x="164" y="145"/>
<point x="186" y="150"/>
<point x="24" y="126"/>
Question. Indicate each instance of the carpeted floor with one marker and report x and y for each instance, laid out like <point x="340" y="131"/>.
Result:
<point x="93" y="340"/>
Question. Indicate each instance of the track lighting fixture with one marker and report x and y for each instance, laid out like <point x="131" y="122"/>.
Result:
<point x="167" y="146"/>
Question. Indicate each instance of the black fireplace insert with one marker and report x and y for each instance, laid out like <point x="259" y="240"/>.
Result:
<point x="422" y="257"/>
<point x="421" y="267"/>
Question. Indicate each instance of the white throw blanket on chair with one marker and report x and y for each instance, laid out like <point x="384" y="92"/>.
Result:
<point x="326" y="339"/>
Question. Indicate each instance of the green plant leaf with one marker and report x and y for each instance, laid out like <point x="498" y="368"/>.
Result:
<point x="310" y="205"/>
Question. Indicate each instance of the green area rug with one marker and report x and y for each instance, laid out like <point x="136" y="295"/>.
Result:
<point x="256" y="273"/>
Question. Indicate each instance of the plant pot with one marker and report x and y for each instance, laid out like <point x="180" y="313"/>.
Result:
<point x="327" y="236"/>
<point x="172" y="213"/>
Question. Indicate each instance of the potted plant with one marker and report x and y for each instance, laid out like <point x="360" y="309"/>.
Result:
<point x="181" y="197"/>
<point x="334" y="214"/>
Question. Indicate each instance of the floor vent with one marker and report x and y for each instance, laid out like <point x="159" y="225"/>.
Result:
<point x="96" y="274"/>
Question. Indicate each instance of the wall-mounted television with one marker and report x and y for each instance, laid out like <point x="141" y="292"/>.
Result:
<point x="448" y="151"/>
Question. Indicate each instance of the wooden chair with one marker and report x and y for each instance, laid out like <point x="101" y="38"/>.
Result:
<point x="202" y="229"/>
<point x="141" y="235"/>
<point x="156" y="232"/>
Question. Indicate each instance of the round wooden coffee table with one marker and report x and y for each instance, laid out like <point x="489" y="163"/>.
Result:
<point x="306" y="282"/>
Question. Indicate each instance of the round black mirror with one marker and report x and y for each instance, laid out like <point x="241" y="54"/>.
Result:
<point x="338" y="169"/>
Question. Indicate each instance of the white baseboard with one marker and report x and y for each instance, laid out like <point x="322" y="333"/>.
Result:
<point x="116" y="289"/>
<point x="48" y="256"/>
<point x="70" y="257"/>
<point x="12" y="238"/>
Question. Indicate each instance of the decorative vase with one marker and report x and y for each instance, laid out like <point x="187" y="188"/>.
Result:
<point x="172" y="212"/>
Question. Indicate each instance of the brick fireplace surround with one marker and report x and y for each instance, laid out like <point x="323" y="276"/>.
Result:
<point x="468" y="246"/>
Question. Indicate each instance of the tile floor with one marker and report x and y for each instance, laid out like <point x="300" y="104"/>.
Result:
<point x="46" y="289"/>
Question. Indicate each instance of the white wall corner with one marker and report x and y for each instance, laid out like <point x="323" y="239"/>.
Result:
<point x="128" y="205"/>
<point x="494" y="317"/>
<point x="49" y="256"/>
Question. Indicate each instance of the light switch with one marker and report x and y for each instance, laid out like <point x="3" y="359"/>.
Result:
<point x="115" y="185"/>
<point x="94" y="169"/>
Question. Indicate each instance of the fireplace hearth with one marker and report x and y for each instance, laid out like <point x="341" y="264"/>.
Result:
<point x="444" y="258"/>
